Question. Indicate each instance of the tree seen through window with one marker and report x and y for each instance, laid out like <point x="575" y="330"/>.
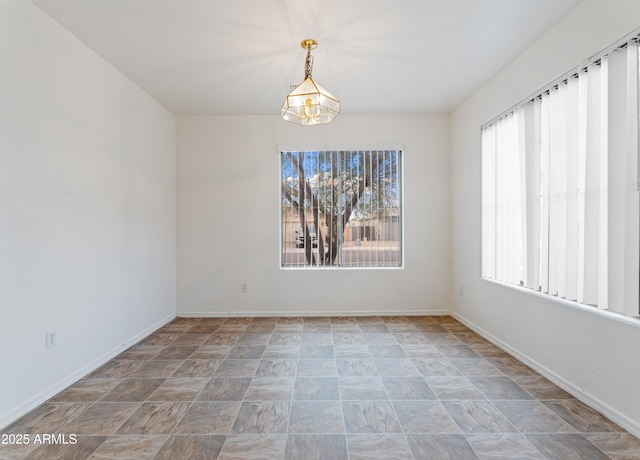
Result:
<point x="341" y="208"/>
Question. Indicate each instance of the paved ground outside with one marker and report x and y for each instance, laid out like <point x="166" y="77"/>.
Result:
<point x="354" y="254"/>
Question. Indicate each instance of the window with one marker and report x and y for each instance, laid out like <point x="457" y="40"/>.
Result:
<point x="341" y="208"/>
<point x="560" y="207"/>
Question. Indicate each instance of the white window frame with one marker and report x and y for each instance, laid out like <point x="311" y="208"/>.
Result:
<point x="344" y="262"/>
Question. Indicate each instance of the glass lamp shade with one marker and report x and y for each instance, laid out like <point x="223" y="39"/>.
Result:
<point x="310" y="104"/>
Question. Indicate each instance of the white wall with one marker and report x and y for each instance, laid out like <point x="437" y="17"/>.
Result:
<point x="87" y="209"/>
<point x="592" y="355"/>
<point x="88" y="218"/>
<point x="228" y="219"/>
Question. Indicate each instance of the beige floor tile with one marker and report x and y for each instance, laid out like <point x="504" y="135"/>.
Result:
<point x="316" y="417"/>
<point x="47" y="418"/>
<point x="316" y="388"/>
<point x="620" y="446"/>
<point x="178" y="389"/>
<point x="503" y="446"/>
<point x="117" y="369"/>
<point x="424" y="417"/>
<point x="255" y="446"/>
<point x="224" y="389"/>
<point x="154" y="418"/>
<point x="362" y="388"/>
<point x="270" y="389"/>
<point x="370" y="417"/>
<point x="533" y="417"/>
<point x="81" y="448"/>
<point x="454" y="388"/>
<point x="262" y="417"/>
<point x="566" y="446"/>
<point x="208" y="418"/>
<point x="102" y="418"/>
<point x="129" y="448"/>
<point x="478" y="417"/>
<point x="378" y="446"/>
<point x="316" y="446"/>
<point x="582" y="417"/>
<point x="440" y="446"/>
<point x="86" y="390"/>
<point x="410" y="388"/>
<point x="131" y="390"/>
<point x="191" y="447"/>
<point x="157" y="369"/>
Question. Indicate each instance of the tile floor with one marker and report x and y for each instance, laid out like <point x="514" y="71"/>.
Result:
<point x="317" y="388"/>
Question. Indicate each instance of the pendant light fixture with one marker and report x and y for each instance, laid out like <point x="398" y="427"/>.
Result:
<point x="309" y="103"/>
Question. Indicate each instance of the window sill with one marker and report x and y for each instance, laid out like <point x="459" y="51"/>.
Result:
<point x="618" y="317"/>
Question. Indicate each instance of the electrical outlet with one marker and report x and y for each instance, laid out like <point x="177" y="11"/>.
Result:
<point x="51" y="339"/>
<point x="244" y="287"/>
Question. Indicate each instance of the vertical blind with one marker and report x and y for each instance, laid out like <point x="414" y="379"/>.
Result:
<point x="341" y="208"/>
<point x="560" y="201"/>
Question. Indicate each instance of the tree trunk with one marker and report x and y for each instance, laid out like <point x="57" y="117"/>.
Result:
<point x="348" y="209"/>
<point x="302" y="215"/>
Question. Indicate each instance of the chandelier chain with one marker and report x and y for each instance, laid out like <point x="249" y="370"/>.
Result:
<point x="308" y="65"/>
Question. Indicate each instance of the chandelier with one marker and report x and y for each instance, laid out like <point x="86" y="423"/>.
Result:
<point x="309" y="103"/>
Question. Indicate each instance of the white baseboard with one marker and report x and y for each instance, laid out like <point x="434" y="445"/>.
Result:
<point x="625" y="422"/>
<point x="306" y="313"/>
<point x="13" y="415"/>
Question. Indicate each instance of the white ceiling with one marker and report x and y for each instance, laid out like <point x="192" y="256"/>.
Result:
<point x="240" y="56"/>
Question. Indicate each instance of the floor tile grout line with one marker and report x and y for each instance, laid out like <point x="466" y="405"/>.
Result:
<point x="344" y="422"/>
